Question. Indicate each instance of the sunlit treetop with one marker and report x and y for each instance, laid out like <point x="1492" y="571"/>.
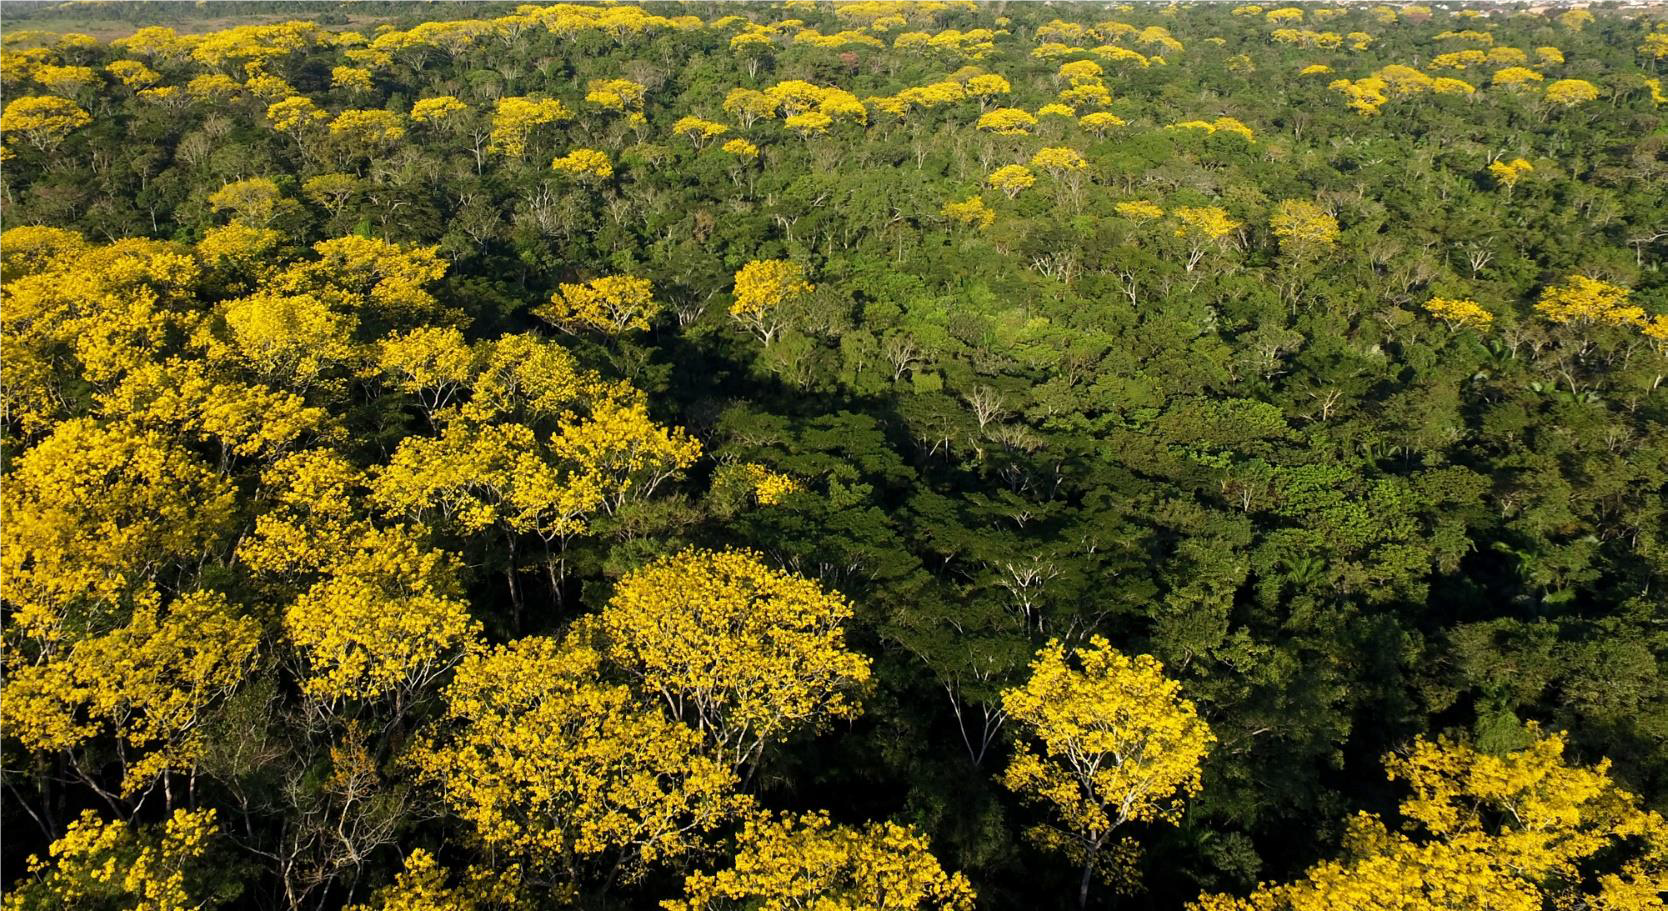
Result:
<point x="551" y="763"/>
<point x="515" y="118"/>
<point x="745" y="653"/>
<point x="133" y="74"/>
<point x="613" y="303"/>
<point x="350" y="79"/>
<point x="1302" y="225"/>
<point x="112" y="864"/>
<point x="1139" y="209"/>
<point x="699" y="131"/>
<point x="438" y="110"/>
<point x="41" y="122"/>
<point x="294" y="114"/>
<point x="971" y="211"/>
<point x="1585" y="301"/>
<point x="422" y="886"/>
<point x="1105" y="740"/>
<point x="585" y="164"/>
<point x="620" y="95"/>
<point x="1059" y="160"/>
<point x="1460" y="313"/>
<point x="1011" y="179"/>
<point x="1513" y="832"/>
<point x="367" y="128"/>
<point x="1516" y="75"/>
<point x="387" y="618"/>
<point x="1007" y="122"/>
<point x="1571" y="92"/>
<point x="762" y="289"/>
<point x="1220" y="124"/>
<point x="809" y="862"/>
<point x="93" y="511"/>
<point x="1508" y="173"/>
<point x="742" y="149"/>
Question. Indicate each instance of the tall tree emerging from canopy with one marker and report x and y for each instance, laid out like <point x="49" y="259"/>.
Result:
<point x="745" y="653"/>
<point x="1104" y="743"/>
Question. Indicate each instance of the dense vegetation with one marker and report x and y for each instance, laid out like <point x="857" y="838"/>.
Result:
<point x="868" y="455"/>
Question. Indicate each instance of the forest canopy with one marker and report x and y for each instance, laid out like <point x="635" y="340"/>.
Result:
<point x="858" y="455"/>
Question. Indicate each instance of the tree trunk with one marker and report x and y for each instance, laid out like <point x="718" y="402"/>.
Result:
<point x="1088" y="874"/>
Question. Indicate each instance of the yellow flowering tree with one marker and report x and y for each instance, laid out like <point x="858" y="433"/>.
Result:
<point x="742" y="149"/>
<point x="1059" y="161"/>
<point x="986" y="87"/>
<point x="1518" y="832"/>
<point x="1508" y="173"/>
<point x="366" y="132"/>
<point x="1582" y="301"/>
<point x="293" y="341"/>
<point x="1007" y="122"/>
<point x="313" y="515"/>
<point x="421" y="886"/>
<point x="99" y="864"/>
<point x="699" y="131"/>
<point x="1459" y="313"/>
<point x="621" y="95"/>
<point x="612" y="304"/>
<point x="1100" y="122"/>
<point x="769" y="487"/>
<point x="1303" y="227"/>
<point x="551" y="764"/>
<point x="528" y="444"/>
<point x="147" y="685"/>
<point x="1516" y="76"/>
<point x="1139" y="210"/>
<point x="971" y="211"/>
<point x="784" y="863"/>
<point x="623" y="451"/>
<point x="1571" y="92"/>
<point x="133" y="74"/>
<point x="744" y="653"/>
<point x="387" y="619"/>
<point x="255" y="202"/>
<point x="808" y="123"/>
<point x="41" y="121"/>
<point x="515" y="119"/>
<point x="351" y="79"/>
<point x="1011" y="179"/>
<point x="749" y="106"/>
<point x="589" y="165"/>
<point x="1102" y="743"/>
<point x="1203" y="228"/>
<point x="293" y="114"/>
<point x="763" y="291"/>
<point x="95" y="511"/>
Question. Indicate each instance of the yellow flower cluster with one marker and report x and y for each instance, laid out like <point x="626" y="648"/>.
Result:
<point x="1105" y="742"/>
<point x="971" y="211"/>
<point x="785" y="862"/>
<point x="1507" y="833"/>
<point x="586" y="164"/>
<point x="763" y="288"/>
<point x="1462" y="313"/>
<point x="613" y="303"/>
<point x="745" y="653"/>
